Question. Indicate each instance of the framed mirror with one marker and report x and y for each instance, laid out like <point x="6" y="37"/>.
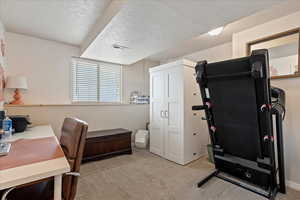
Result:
<point x="283" y="53"/>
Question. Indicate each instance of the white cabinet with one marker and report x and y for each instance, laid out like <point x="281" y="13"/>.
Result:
<point x="176" y="132"/>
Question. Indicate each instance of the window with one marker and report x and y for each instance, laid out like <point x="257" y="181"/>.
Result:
<point x="95" y="81"/>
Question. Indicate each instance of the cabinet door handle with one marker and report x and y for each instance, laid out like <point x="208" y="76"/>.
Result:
<point x="162" y="114"/>
<point x="166" y="114"/>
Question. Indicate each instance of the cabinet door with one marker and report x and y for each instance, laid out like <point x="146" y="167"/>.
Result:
<point x="156" y="113"/>
<point x="173" y="119"/>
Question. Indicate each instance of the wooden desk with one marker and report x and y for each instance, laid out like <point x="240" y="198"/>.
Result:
<point x="19" y="174"/>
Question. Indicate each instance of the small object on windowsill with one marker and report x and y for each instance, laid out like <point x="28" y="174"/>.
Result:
<point x="136" y="98"/>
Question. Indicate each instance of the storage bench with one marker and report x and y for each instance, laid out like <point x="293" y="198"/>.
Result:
<point x="106" y="143"/>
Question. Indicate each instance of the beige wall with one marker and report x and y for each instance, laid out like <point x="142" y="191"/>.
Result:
<point x="1" y="38"/>
<point x="291" y="86"/>
<point x="132" y="117"/>
<point x="239" y="40"/>
<point x="1" y="30"/>
<point x="136" y="78"/>
<point x="46" y="64"/>
<point x="213" y="54"/>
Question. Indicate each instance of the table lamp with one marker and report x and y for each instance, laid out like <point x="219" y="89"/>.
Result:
<point x="18" y="83"/>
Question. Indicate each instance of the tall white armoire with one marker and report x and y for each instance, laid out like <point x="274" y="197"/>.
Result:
<point x="177" y="133"/>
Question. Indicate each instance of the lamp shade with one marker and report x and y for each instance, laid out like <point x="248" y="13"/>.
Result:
<point x="16" y="82"/>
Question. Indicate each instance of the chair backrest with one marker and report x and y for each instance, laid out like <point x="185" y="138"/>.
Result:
<point x="72" y="141"/>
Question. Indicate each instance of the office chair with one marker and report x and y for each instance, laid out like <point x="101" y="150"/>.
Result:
<point x="72" y="141"/>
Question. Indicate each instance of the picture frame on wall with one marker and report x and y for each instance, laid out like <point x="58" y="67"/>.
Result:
<point x="284" y="53"/>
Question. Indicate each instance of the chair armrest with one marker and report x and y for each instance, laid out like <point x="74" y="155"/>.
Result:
<point x="6" y="193"/>
<point x="72" y="174"/>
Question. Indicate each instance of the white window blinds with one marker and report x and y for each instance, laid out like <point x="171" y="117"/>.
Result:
<point x="95" y="81"/>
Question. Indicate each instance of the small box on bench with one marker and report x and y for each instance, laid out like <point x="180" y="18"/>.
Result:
<point x="106" y="143"/>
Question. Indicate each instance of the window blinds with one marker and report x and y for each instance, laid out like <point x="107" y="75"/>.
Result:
<point x="95" y="81"/>
<point x="109" y="83"/>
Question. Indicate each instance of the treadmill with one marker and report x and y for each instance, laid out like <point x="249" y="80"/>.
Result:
<point x="241" y="108"/>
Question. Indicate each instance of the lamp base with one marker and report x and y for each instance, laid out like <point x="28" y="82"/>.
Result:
<point x="17" y="98"/>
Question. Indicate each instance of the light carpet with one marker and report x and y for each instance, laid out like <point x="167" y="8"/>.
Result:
<point x="144" y="176"/>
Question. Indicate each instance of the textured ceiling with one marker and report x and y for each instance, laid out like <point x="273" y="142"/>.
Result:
<point x="66" y="21"/>
<point x="156" y="28"/>
<point x="148" y="27"/>
<point x="204" y="41"/>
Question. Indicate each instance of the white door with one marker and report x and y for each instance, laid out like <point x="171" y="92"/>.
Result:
<point x="156" y="113"/>
<point x="172" y="121"/>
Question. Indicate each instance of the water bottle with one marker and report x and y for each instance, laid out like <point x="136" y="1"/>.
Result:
<point x="7" y="127"/>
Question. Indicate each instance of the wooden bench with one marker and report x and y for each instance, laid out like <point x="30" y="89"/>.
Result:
<point x="106" y="143"/>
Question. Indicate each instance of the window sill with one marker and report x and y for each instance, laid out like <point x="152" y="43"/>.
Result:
<point x="74" y="104"/>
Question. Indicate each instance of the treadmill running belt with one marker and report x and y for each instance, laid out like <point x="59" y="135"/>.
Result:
<point x="236" y="116"/>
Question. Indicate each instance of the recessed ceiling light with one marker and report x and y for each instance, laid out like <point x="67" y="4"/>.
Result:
<point x="216" y="31"/>
<point x="117" y="46"/>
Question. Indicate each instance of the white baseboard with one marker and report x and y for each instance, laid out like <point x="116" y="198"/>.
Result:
<point x="293" y="185"/>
